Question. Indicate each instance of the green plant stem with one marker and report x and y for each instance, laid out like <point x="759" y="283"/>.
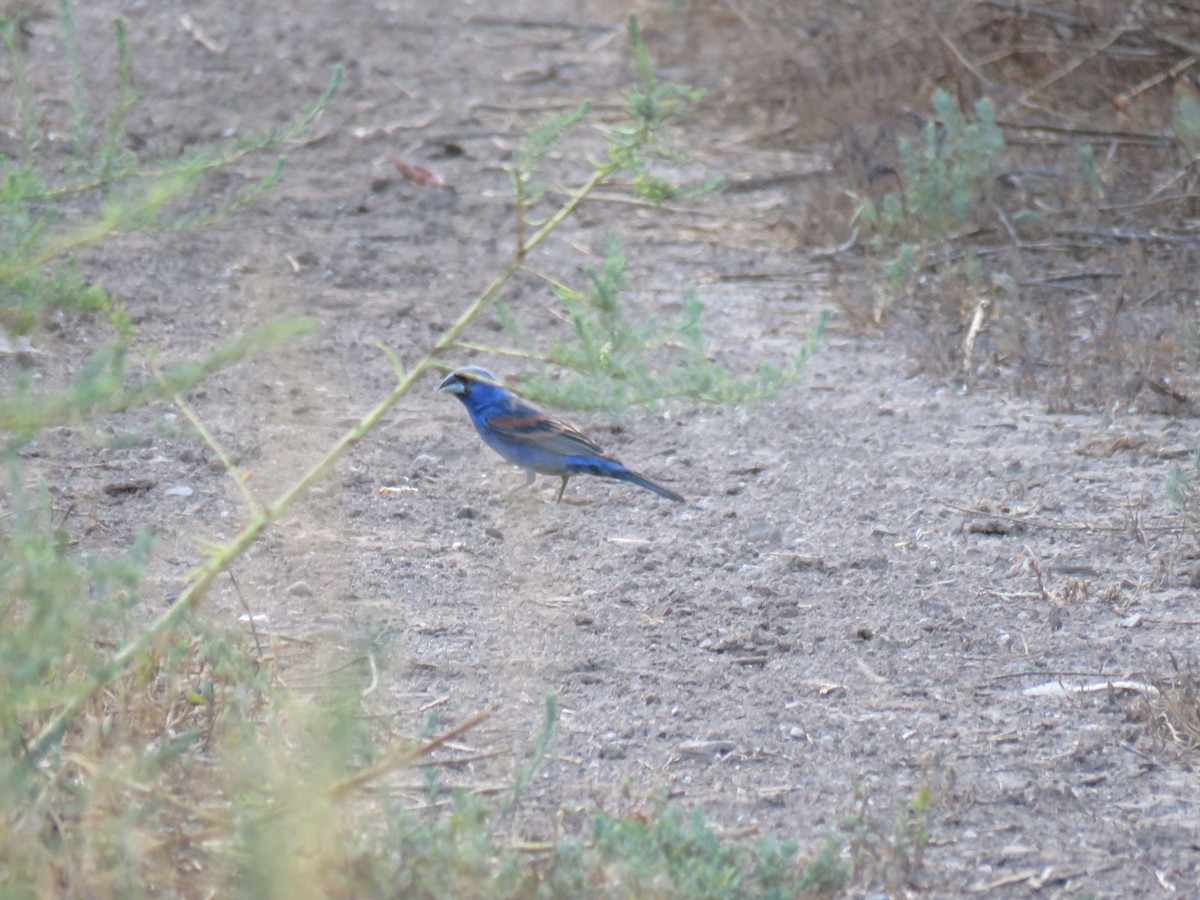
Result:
<point x="199" y="165"/>
<point x="500" y="351"/>
<point x="251" y="501"/>
<point x="598" y="175"/>
<point x="394" y="760"/>
<point x="262" y="518"/>
<point x="79" y="86"/>
<point x="96" y="231"/>
<point x="27" y="115"/>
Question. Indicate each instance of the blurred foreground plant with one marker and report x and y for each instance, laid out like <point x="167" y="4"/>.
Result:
<point x="84" y="814"/>
<point x="163" y="757"/>
<point x="49" y="209"/>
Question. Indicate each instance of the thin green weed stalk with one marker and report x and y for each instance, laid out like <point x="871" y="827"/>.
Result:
<point x="89" y="816"/>
<point x="145" y="758"/>
<point x="614" y="356"/>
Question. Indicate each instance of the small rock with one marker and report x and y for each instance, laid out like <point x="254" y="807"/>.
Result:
<point x="181" y="490"/>
<point x="136" y="486"/>
<point x="707" y="748"/>
<point x="995" y="526"/>
<point x="763" y="532"/>
<point x="804" y="563"/>
<point x="300" y="589"/>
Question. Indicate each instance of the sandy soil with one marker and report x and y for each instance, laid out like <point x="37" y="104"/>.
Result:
<point x="873" y="571"/>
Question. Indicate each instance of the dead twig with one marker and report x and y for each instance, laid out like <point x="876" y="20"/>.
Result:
<point x="1060" y="526"/>
<point x="977" y="319"/>
<point x="1115" y="34"/>
<point x="190" y="26"/>
<point x="395" y="760"/>
<point x="250" y="617"/>
<point x="986" y="83"/>
<point x="1058" y="689"/>
<point x="1122" y="100"/>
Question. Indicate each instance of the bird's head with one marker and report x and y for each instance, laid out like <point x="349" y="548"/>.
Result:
<point x="461" y="382"/>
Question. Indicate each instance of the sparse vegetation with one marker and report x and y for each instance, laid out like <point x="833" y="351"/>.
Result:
<point x="1078" y="187"/>
<point x="1182" y="484"/>
<point x="610" y="361"/>
<point x="92" y="812"/>
<point x="947" y="174"/>
<point x="613" y="363"/>
<point x="52" y="210"/>
<point x="135" y="751"/>
<point x="1167" y="708"/>
<point x="823" y="606"/>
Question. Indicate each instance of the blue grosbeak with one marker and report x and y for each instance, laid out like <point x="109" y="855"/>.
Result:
<point x="532" y="439"/>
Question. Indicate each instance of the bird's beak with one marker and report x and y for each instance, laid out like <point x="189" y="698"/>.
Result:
<point x="453" y="384"/>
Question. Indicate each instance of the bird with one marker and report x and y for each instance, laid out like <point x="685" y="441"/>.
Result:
<point x="533" y="439"/>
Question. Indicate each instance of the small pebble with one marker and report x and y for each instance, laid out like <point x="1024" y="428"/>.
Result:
<point x="707" y="748"/>
<point x="762" y="531"/>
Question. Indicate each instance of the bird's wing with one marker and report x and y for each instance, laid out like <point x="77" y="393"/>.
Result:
<point x="526" y="425"/>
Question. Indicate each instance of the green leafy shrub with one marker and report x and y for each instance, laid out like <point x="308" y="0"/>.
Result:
<point x="612" y="361"/>
<point x="947" y="173"/>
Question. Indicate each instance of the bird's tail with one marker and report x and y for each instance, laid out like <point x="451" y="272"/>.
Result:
<point x="642" y="481"/>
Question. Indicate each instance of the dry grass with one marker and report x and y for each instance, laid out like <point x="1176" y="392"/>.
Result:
<point x="1084" y="242"/>
<point x="1172" y="715"/>
<point x="195" y="770"/>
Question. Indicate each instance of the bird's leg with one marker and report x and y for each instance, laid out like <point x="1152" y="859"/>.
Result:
<point x="530" y="478"/>
<point x="558" y="499"/>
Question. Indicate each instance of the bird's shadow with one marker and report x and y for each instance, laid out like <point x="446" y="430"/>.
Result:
<point x="535" y="494"/>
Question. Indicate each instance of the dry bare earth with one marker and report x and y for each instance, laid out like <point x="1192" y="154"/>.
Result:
<point x="822" y="610"/>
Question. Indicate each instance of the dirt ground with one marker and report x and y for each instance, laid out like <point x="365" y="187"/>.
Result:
<point x="871" y="576"/>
